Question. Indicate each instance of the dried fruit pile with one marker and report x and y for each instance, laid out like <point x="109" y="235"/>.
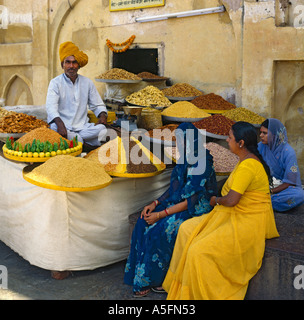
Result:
<point x="20" y="123"/>
<point x="212" y="101"/>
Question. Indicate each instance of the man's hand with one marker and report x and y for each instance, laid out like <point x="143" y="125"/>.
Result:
<point x="61" y="129"/>
<point x="102" y="118"/>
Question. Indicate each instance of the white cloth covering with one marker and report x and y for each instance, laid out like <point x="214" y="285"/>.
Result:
<point x="58" y="230"/>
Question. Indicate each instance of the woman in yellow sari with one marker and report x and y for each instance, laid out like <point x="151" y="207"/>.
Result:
<point x="216" y="254"/>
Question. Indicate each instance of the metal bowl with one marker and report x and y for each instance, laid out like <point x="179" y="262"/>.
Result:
<point x="133" y="111"/>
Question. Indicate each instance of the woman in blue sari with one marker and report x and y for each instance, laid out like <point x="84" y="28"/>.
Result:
<point x="192" y="184"/>
<point x="287" y="192"/>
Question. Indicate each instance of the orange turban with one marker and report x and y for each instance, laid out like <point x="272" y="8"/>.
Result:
<point x="68" y="48"/>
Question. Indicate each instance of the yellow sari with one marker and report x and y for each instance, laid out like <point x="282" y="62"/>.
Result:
<point x="216" y="254"/>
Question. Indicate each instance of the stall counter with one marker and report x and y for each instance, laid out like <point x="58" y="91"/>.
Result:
<point x="58" y="230"/>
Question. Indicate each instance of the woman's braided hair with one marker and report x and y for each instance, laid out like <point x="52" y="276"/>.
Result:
<point x="247" y="132"/>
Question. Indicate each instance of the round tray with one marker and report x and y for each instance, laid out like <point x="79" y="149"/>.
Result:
<point x="165" y="143"/>
<point x="32" y="159"/>
<point x="138" y="175"/>
<point x="137" y="105"/>
<point x="26" y="170"/>
<point x="214" y="111"/>
<point x="256" y="125"/>
<point x="117" y="80"/>
<point x="178" y="119"/>
<point x="212" y="135"/>
<point x="181" y="98"/>
<point x="3" y="136"/>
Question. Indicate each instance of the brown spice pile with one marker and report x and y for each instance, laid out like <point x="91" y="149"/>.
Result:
<point x="181" y="90"/>
<point x="41" y="134"/>
<point x="149" y="75"/>
<point x="163" y="133"/>
<point x="20" y="122"/>
<point x="212" y="101"/>
<point x="109" y="155"/>
<point x="70" y="172"/>
<point x="216" y="124"/>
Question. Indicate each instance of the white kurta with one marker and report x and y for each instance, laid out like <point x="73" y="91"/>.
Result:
<point x="71" y="101"/>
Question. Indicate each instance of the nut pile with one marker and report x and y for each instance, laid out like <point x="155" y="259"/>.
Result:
<point x="243" y="114"/>
<point x="224" y="160"/>
<point x="184" y="109"/>
<point x="212" y="101"/>
<point x="149" y="96"/>
<point x="149" y="75"/>
<point x="216" y="124"/>
<point x="4" y="113"/>
<point x="118" y="74"/>
<point x="181" y="90"/>
<point x="19" y="123"/>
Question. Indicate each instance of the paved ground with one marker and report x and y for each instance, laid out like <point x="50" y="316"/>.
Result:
<point x="28" y="282"/>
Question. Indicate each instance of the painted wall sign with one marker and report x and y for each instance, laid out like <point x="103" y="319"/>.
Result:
<point x="117" y="5"/>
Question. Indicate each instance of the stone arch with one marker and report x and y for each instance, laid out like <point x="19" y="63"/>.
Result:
<point x="17" y="91"/>
<point x="294" y="120"/>
<point x="60" y="16"/>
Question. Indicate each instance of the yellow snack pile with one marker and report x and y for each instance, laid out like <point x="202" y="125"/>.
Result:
<point x="185" y="109"/>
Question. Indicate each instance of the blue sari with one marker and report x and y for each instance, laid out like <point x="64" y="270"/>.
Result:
<point x="282" y="161"/>
<point x="193" y="178"/>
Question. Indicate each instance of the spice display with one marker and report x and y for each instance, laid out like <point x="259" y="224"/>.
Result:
<point x="212" y="101"/>
<point x="149" y="75"/>
<point x="20" y="123"/>
<point x="166" y="133"/>
<point x="150" y="118"/>
<point x="40" y="143"/>
<point x="224" y="160"/>
<point x="70" y="172"/>
<point x="126" y="157"/>
<point x="184" y="109"/>
<point x="149" y="96"/>
<point x="216" y="124"/>
<point x="127" y="44"/>
<point x="243" y="114"/>
<point x="118" y="74"/>
<point x="181" y="90"/>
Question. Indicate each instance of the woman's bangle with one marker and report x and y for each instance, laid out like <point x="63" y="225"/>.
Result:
<point x="166" y="212"/>
<point x="156" y="202"/>
<point x="216" y="202"/>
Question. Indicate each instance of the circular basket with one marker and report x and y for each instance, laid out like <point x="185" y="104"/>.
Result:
<point x="29" y="168"/>
<point x="36" y="159"/>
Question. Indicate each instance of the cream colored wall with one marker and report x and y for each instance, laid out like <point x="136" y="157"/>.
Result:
<point x="238" y="54"/>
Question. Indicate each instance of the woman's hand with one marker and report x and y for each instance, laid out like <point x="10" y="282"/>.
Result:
<point x="152" y="217"/>
<point x="213" y="201"/>
<point x="147" y="210"/>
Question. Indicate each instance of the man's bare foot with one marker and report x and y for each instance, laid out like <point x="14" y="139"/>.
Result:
<point x="60" y="275"/>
